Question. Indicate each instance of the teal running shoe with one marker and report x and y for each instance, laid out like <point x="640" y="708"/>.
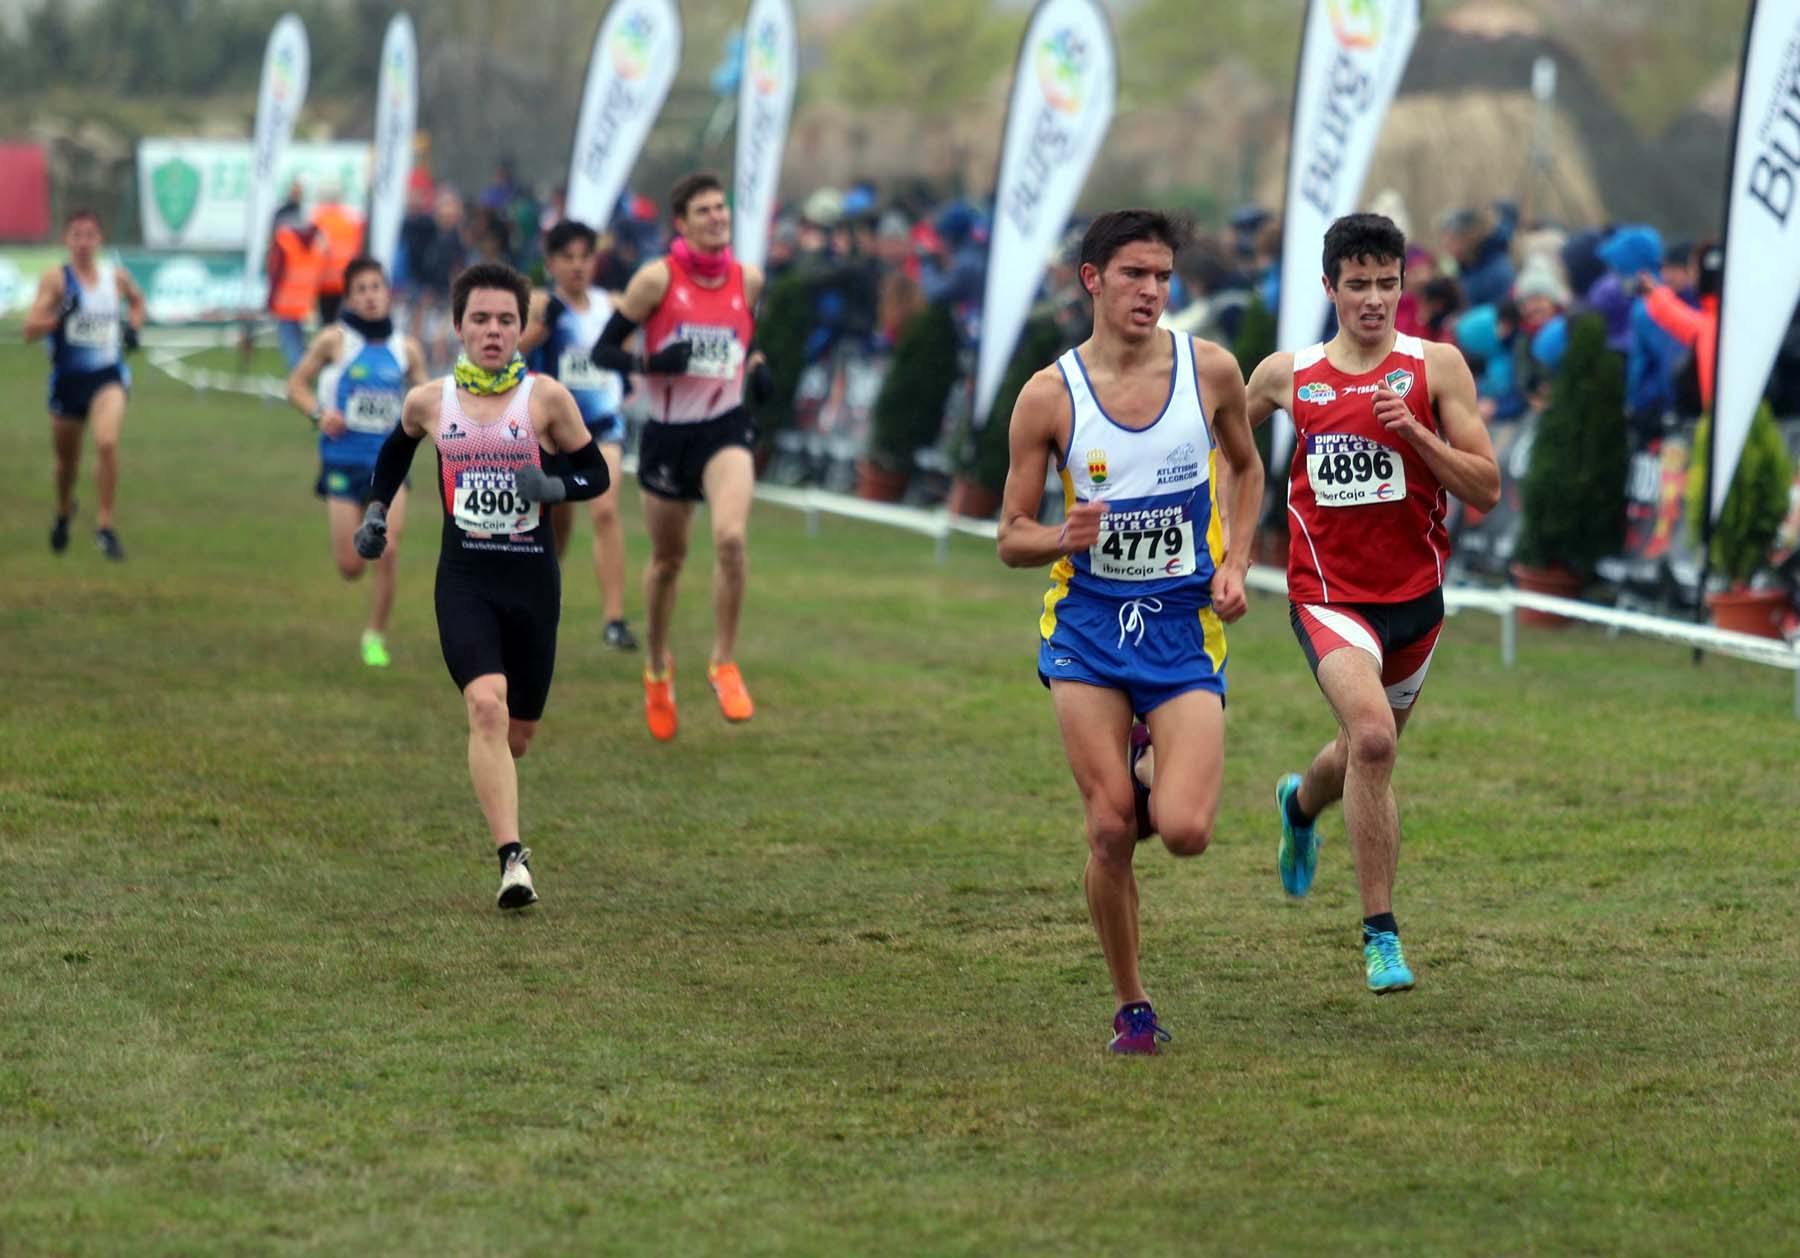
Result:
<point x="1298" y="855"/>
<point x="1385" y="963"/>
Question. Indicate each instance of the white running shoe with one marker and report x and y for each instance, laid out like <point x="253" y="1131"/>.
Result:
<point x="516" y="890"/>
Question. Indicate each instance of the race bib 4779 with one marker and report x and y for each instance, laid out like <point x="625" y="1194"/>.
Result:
<point x="1147" y="545"/>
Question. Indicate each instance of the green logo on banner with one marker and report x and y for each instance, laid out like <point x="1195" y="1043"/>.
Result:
<point x="176" y="184"/>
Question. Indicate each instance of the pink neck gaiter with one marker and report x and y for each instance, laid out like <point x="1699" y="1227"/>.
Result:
<point x="706" y="266"/>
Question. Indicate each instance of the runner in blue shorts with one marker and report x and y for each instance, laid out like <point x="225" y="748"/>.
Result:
<point x="564" y="325"/>
<point x="351" y="383"/>
<point x="1140" y="422"/>
<point x="91" y="311"/>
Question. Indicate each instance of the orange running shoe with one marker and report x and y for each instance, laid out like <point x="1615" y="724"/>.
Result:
<point x="728" y="684"/>
<point x="659" y="703"/>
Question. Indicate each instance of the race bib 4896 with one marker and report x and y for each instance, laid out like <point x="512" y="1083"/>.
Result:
<point x="1346" y="470"/>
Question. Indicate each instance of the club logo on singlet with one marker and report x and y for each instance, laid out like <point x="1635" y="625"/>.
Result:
<point x="512" y="426"/>
<point x="453" y="433"/>
<point x="1399" y="380"/>
<point x="1316" y="392"/>
<point x="1181" y="465"/>
<point x="1096" y="460"/>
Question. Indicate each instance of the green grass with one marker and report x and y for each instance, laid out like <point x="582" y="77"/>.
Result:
<point x="825" y="984"/>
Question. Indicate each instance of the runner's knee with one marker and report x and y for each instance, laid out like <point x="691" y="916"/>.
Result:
<point x="1371" y="743"/>
<point x="350" y="566"/>
<point x="665" y="565"/>
<point x="1112" y="830"/>
<point x="1187" y="836"/>
<point x="729" y="546"/>
<point x="487" y="713"/>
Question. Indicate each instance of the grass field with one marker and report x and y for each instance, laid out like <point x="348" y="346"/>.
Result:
<point x="825" y="984"/>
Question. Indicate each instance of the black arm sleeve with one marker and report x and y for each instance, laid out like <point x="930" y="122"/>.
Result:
<point x="392" y="464"/>
<point x="585" y="473"/>
<point x="609" y="351"/>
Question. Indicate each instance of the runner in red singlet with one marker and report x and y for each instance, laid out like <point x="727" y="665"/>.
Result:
<point x="696" y="307"/>
<point x="1385" y="426"/>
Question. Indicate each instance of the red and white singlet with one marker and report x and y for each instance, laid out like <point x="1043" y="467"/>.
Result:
<point x="484" y="512"/>
<point x="1365" y="511"/>
<point x="717" y="321"/>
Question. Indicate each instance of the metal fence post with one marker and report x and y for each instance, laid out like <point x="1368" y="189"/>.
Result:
<point x="1509" y="636"/>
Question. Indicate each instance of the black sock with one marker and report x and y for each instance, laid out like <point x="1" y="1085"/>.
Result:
<point x="506" y="852"/>
<point x="1295" y="814"/>
<point x="1375" y="925"/>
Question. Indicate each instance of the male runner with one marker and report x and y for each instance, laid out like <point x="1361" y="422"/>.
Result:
<point x="499" y="593"/>
<point x="559" y="338"/>
<point x="351" y="384"/>
<point x="78" y="307"/>
<point x="1385" y="425"/>
<point x="697" y="306"/>
<point x="1144" y="573"/>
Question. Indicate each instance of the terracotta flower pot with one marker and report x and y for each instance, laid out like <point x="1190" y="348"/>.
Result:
<point x="976" y="501"/>
<point x="1557" y="582"/>
<point x="877" y="484"/>
<point x="1749" y="611"/>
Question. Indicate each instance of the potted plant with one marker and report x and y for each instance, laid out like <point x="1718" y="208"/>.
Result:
<point x="983" y="454"/>
<point x="1255" y="341"/>
<point x="1573" y="496"/>
<point x="1747" y="524"/>
<point x="781" y="331"/>
<point x="909" y="411"/>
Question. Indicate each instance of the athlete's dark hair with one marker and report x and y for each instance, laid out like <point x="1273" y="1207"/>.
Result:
<point x="567" y="233"/>
<point x="1363" y="238"/>
<point x="1115" y="229"/>
<point x="488" y="275"/>
<point x="357" y="265"/>
<point x="80" y="212"/>
<point x="690" y="186"/>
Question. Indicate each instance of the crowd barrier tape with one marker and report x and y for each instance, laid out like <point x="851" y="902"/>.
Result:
<point x="167" y="350"/>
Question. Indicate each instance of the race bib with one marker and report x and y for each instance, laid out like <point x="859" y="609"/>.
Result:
<point x="717" y="354"/>
<point x="372" y="412"/>
<point x="1140" y="546"/>
<point x="577" y="371"/>
<point x="487" y="501"/>
<point x="1350" y="471"/>
<point x="91" y="331"/>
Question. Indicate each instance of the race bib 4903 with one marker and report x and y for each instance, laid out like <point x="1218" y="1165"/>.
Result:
<point x="1346" y="470"/>
<point x="487" y="501"/>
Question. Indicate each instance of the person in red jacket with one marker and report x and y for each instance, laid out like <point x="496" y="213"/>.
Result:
<point x="1698" y="330"/>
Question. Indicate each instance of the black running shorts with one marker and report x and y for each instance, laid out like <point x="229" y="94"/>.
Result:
<point x="672" y="458"/>
<point x="501" y="622"/>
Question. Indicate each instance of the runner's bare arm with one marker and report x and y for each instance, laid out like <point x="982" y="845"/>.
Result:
<point x="46" y="310"/>
<point x="537" y="330"/>
<point x="419" y="412"/>
<point x="1038" y="431"/>
<point x="753" y="285"/>
<point x="415" y="363"/>
<point x="1240" y="490"/>
<point x="302" y="380"/>
<point x="1270" y="388"/>
<point x="137" y="309"/>
<point x="1463" y="458"/>
<point x="556" y="415"/>
<point x="645" y="292"/>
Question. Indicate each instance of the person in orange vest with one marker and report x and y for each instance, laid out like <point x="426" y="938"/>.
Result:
<point x="342" y="230"/>
<point x="296" y="257"/>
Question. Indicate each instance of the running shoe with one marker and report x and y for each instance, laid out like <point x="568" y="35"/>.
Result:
<point x="728" y="684"/>
<point x="1298" y="855"/>
<point x="1140" y="743"/>
<point x="108" y="542"/>
<point x="659" y="703"/>
<point x="59" y="535"/>
<point x="1385" y="963"/>
<point x="374" y="649"/>
<point x="1135" y="1030"/>
<point x="516" y="890"/>
<point x="618" y="636"/>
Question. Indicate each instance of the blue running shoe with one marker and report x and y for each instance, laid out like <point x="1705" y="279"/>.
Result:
<point x="1135" y="1030"/>
<point x="1298" y="856"/>
<point x="1385" y="963"/>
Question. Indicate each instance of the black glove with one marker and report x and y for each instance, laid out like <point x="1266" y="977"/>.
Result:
<point x="131" y="339"/>
<point x="371" y="538"/>
<point x="670" y="360"/>
<point x="554" y="310"/>
<point x="760" y="383"/>
<point x="537" y="486"/>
